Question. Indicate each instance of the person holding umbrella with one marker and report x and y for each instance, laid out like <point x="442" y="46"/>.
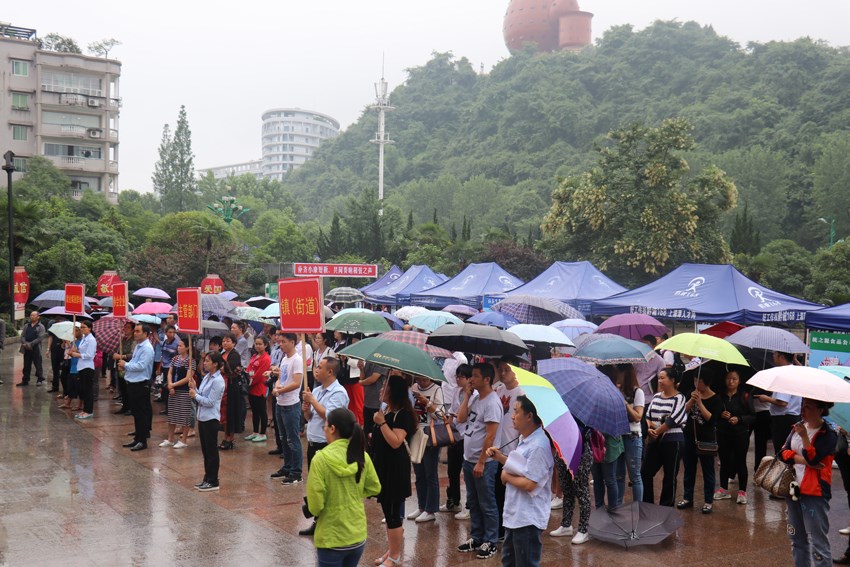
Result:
<point x="703" y="409"/>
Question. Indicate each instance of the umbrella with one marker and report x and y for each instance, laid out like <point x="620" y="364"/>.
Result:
<point x="634" y="523"/>
<point x="494" y="319"/>
<point x="358" y="323"/>
<point x="107" y="302"/>
<point x="260" y="301"/>
<point x="63" y="330"/>
<point x="434" y="320"/>
<point x="53" y="298"/>
<point x="722" y="330"/>
<point x="394" y="354"/>
<point x="408" y="311"/>
<point x="588" y="338"/>
<point x="536" y="310"/>
<point x="109" y="331"/>
<point x="477" y="339"/>
<point x="768" y="338"/>
<point x="840" y="414"/>
<point x="152" y="293"/>
<point x="271" y="311"/>
<point x="632" y="326"/>
<point x="418" y="340"/>
<point x="614" y="351"/>
<point x="462" y="311"/>
<point x="215" y="305"/>
<point x="92" y="300"/>
<point x="345" y="295"/>
<point x="352" y="310"/>
<point x="152" y="308"/>
<point x="703" y="346"/>
<point x="555" y="415"/>
<point x="247" y="314"/>
<point x="228" y="295"/>
<point x="214" y="328"/>
<point x="60" y="310"/>
<point x="574" y="327"/>
<point x="541" y="335"/>
<point x="594" y="399"/>
<point x="152" y="319"/>
<point x="396" y="323"/>
<point x="328" y="312"/>
<point x="803" y="381"/>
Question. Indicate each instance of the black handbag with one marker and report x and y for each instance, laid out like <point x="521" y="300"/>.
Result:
<point x="706" y="448"/>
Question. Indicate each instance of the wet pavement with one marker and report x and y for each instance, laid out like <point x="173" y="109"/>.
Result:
<point x="71" y="495"/>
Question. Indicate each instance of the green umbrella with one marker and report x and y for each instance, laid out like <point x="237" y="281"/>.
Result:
<point x="394" y="354"/>
<point x="704" y="346"/>
<point x="358" y="323"/>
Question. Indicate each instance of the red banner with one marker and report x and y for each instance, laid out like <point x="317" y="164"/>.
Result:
<point x="21" y="291"/>
<point x="301" y="307"/>
<point x="189" y="310"/>
<point x="336" y="270"/>
<point x="119" y="299"/>
<point x="212" y="284"/>
<point x="105" y="282"/>
<point x="75" y="295"/>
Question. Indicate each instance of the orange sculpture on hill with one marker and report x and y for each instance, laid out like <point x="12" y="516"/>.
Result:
<point x="549" y="24"/>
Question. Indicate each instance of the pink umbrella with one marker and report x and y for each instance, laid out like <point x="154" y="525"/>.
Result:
<point x="152" y="293"/>
<point x="633" y="326"/>
<point x="152" y="308"/>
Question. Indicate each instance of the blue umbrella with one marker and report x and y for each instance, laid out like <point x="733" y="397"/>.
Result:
<point x="494" y="319"/>
<point x="433" y="320"/>
<point x="590" y="395"/>
<point x="536" y="310"/>
<point x="614" y="351"/>
<point x="397" y="324"/>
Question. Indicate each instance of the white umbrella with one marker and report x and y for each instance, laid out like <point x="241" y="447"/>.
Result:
<point x="408" y="311"/>
<point x="802" y="381"/>
<point x="541" y="335"/>
<point x="64" y="330"/>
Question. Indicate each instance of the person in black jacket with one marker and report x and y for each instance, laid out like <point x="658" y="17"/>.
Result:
<point x="733" y="438"/>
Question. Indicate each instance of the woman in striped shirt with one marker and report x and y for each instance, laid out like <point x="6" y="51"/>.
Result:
<point x="665" y="417"/>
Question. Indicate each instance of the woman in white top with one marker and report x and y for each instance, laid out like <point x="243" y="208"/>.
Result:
<point x="429" y="402"/>
<point x="632" y="442"/>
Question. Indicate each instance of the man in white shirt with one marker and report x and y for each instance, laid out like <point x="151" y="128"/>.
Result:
<point x="287" y="417"/>
<point x="510" y="436"/>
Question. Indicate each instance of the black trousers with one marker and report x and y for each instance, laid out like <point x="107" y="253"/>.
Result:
<point x="32" y="356"/>
<point x="761" y="435"/>
<point x="208" y="434"/>
<point x="138" y="401"/>
<point x="780" y="428"/>
<point x="56" y="367"/>
<point x="454" y="454"/>
<point x="732" y="450"/>
<point x="312" y="449"/>
<point x="666" y="455"/>
<point x="87" y="378"/>
<point x="259" y="415"/>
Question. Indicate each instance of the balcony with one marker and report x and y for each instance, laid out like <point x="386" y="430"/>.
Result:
<point x="64" y="130"/>
<point x="113" y="135"/>
<point x="75" y="163"/>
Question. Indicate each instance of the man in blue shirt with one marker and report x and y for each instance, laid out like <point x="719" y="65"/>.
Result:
<point x="137" y="374"/>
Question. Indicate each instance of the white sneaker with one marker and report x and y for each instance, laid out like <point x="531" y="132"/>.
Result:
<point x="180" y="445"/>
<point x="454" y="508"/>
<point x="414" y="515"/>
<point x="166" y="443"/>
<point x="425" y="517"/>
<point x="581" y="537"/>
<point x="562" y="531"/>
<point x="557" y="503"/>
<point x="844" y="531"/>
<point x="462" y="515"/>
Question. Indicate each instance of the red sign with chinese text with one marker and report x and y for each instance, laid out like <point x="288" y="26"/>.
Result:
<point x="189" y="310"/>
<point x="212" y="284"/>
<point x="336" y="270"/>
<point x="21" y="291"/>
<point x="301" y="307"/>
<point x="119" y="299"/>
<point x="105" y="282"/>
<point x="75" y="298"/>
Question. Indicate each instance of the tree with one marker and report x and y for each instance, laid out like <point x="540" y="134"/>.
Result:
<point x="60" y="43"/>
<point x="745" y="238"/>
<point x="103" y="47"/>
<point x="831" y="182"/>
<point x="42" y="181"/>
<point x="830" y="279"/>
<point x="174" y="172"/>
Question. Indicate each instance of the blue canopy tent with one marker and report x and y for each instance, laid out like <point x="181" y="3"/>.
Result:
<point x="830" y="319"/>
<point x="414" y="280"/>
<point x="711" y="293"/>
<point x="468" y="287"/>
<point x="392" y="275"/>
<point x="575" y="283"/>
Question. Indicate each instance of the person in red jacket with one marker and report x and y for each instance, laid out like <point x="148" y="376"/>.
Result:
<point x="809" y="448"/>
<point x="260" y="363"/>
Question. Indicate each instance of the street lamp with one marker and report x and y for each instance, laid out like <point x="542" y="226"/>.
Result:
<point x="9" y="168"/>
<point x="831" y="224"/>
<point x="227" y="209"/>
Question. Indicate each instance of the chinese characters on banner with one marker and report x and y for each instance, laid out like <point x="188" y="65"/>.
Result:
<point x="301" y="307"/>
<point x="75" y="298"/>
<point x="119" y="299"/>
<point x="335" y="270"/>
<point x="105" y="282"/>
<point x="212" y="284"/>
<point x="189" y="310"/>
<point x="21" y="291"/>
<point x="829" y="348"/>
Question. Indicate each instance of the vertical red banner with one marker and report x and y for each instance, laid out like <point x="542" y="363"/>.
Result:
<point x="21" y="291"/>
<point x="119" y="299"/>
<point x="301" y="307"/>
<point x="75" y="298"/>
<point x="189" y="310"/>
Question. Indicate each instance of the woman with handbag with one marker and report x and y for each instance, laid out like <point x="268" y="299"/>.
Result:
<point x="429" y="403"/>
<point x="703" y="409"/>
<point x="809" y="449"/>
<point x="391" y="455"/>
<point x="665" y="417"/>
<point x="733" y="438"/>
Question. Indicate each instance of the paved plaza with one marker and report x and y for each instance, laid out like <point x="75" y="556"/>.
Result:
<point x="71" y="495"/>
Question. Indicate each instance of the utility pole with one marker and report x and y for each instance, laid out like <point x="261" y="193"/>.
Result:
<point x="382" y="105"/>
<point x="9" y="168"/>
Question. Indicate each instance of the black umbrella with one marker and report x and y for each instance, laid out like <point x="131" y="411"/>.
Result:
<point x="635" y="523"/>
<point x="477" y="339"/>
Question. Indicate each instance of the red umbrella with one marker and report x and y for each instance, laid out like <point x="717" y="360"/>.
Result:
<point x="109" y="331"/>
<point x="722" y="330"/>
<point x="152" y="308"/>
<point x="417" y="340"/>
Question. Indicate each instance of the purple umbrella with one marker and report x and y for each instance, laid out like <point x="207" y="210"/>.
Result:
<point x="152" y="293"/>
<point x="228" y="295"/>
<point x="462" y="311"/>
<point x="633" y="326"/>
<point x="61" y="311"/>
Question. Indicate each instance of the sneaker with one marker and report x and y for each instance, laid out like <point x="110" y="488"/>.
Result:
<point x="722" y="494"/>
<point x="844" y="531"/>
<point x="84" y="415"/>
<point x="450" y="507"/>
<point x="557" y="503"/>
<point x="580" y="538"/>
<point x="259" y="439"/>
<point x="180" y="445"/>
<point x="562" y="532"/>
<point x="166" y="443"/>
<point x="279" y="474"/>
<point x="207" y="487"/>
<point x="199" y="484"/>
<point x="415" y="514"/>
<point x="742" y="497"/>
<point x="486" y="551"/>
<point x="425" y="517"/>
<point x="250" y="437"/>
<point x="39" y="383"/>
<point x="462" y="515"/>
<point x="291" y="480"/>
<point x="469" y="546"/>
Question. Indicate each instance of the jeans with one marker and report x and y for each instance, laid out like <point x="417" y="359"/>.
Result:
<point x="808" y="529"/>
<point x="666" y="455"/>
<point x="605" y="480"/>
<point x="481" y="500"/>
<point x="706" y="462"/>
<point x="427" y="481"/>
<point x="288" y="420"/>
<point x="340" y="558"/>
<point x="522" y="547"/>
<point x="630" y="460"/>
<point x="208" y="435"/>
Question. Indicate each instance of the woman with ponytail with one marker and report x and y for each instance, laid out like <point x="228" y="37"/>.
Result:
<point x="341" y="476"/>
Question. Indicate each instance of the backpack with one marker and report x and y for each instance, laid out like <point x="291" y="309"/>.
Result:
<point x="597" y="446"/>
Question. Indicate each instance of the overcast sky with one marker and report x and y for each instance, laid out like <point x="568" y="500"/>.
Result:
<point x="230" y="61"/>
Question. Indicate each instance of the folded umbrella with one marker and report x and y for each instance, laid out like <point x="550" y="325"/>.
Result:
<point x="433" y="320"/>
<point x="803" y="381"/>
<point x="768" y="338"/>
<point x="634" y="523"/>
<point x="537" y="310"/>
<point x="494" y="319"/>
<point x="397" y="355"/>
<point x="632" y="326"/>
<point x="477" y="339"/>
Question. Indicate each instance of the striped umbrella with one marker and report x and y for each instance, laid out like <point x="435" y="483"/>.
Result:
<point x="536" y="310"/>
<point x="345" y="295"/>
<point x="109" y="331"/>
<point x="417" y="340"/>
<point x="215" y="305"/>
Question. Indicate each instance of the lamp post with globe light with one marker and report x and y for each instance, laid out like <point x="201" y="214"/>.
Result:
<point x="831" y="224"/>
<point x="9" y="168"/>
<point x="227" y="209"/>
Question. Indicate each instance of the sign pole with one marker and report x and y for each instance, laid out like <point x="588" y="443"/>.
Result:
<point x="304" y="362"/>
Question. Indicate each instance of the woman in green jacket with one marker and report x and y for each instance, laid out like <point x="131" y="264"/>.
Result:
<point x="341" y="476"/>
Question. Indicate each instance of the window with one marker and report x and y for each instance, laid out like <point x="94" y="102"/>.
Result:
<point x="20" y="68"/>
<point x="20" y="164"/>
<point x="19" y="133"/>
<point x="20" y="101"/>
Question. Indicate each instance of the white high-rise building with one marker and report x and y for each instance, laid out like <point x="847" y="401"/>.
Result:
<point x="291" y="136"/>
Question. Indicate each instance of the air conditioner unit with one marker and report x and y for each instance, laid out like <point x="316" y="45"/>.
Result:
<point x="94" y="133"/>
<point x="94" y="102"/>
